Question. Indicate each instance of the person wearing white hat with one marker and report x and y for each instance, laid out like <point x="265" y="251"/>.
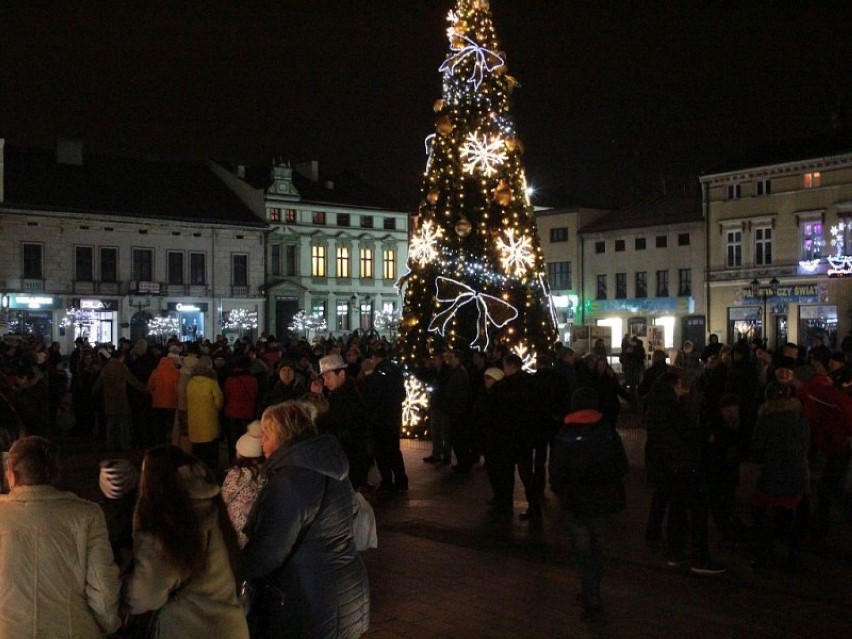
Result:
<point x="243" y="480"/>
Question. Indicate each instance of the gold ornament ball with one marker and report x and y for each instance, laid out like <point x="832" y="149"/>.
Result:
<point x="503" y="194"/>
<point x="432" y="197"/>
<point x="463" y="227"/>
<point x="461" y="26"/>
<point x="444" y="125"/>
<point x="438" y="105"/>
<point x="411" y="321"/>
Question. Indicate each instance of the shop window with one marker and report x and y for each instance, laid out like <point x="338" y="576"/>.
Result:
<point x="84" y="263"/>
<point x="763" y="246"/>
<point x="559" y="234"/>
<point x="601" y="292"/>
<point x="32" y="267"/>
<point x="109" y="264"/>
<point x="142" y="267"/>
<point x="389" y="264"/>
<point x="318" y="261"/>
<point x="175" y="275"/>
<point x="734" y="248"/>
<point x="642" y="284"/>
<point x="684" y="282"/>
<point x="239" y="270"/>
<point x="366" y="262"/>
<point x="559" y="275"/>
<point x="620" y="286"/>
<point x="342" y="261"/>
<point x="662" y="283"/>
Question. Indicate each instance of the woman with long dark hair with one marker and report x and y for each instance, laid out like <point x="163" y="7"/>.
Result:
<point x="183" y="544"/>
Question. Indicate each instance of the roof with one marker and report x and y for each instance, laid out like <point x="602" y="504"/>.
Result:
<point x="662" y="211"/>
<point x="121" y="186"/>
<point x="348" y="189"/>
<point x="789" y="150"/>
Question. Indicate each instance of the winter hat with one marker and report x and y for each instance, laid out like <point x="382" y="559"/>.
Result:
<point x="331" y="363"/>
<point x="189" y="363"/>
<point x="584" y="398"/>
<point x="494" y="373"/>
<point x="118" y="478"/>
<point x="204" y="363"/>
<point x="249" y="444"/>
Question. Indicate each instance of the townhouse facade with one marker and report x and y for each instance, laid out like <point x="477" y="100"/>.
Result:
<point x="779" y="238"/>
<point x="100" y="246"/>
<point x="334" y="250"/>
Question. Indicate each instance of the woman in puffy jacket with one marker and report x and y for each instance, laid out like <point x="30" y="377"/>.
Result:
<point x="182" y="547"/>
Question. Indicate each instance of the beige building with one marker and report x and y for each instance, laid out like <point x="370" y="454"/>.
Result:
<point x="779" y="237"/>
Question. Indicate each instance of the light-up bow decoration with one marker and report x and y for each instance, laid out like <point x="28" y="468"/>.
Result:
<point x="492" y="310"/>
<point x="545" y="288"/>
<point x="484" y="60"/>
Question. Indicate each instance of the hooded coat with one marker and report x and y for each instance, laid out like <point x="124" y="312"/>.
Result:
<point x="301" y="543"/>
<point x="780" y="443"/>
<point x="204" y="400"/>
<point x="57" y="575"/>
<point x="163" y="384"/>
<point x="198" y="606"/>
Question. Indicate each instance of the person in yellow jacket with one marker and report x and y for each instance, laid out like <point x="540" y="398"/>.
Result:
<point x="204" y="400"/>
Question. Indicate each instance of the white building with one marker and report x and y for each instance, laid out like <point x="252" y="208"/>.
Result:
<point x="122" y="241"/>
<point x="335" y="247"/>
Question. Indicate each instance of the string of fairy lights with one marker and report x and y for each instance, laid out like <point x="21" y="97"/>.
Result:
<point x="476" y="277"/>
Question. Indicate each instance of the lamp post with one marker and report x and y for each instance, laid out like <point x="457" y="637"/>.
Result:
<point x="757" y="291"/>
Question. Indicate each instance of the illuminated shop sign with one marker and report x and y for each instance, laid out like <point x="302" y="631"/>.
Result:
<point x="33" y="302"/>
<point x="187" y="307"/>
<point x="96" y="305"/>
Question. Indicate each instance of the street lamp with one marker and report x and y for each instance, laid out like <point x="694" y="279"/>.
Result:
<point x="757" y="291"/>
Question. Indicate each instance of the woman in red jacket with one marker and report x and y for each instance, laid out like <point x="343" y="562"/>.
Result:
<point x="240" y="401"/>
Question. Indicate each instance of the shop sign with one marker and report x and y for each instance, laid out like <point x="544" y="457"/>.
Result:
<point x="97" y="305"/>
<point x="33" y="302"/>
<point x="187" y="307"/>
<point x="796" y="294"/>
<point x="642" y="305"/>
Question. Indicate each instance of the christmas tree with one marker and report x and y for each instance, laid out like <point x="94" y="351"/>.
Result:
<point x="476" y="276"/>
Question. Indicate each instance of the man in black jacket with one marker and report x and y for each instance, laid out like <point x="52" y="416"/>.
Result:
<point x="385" y="393"/>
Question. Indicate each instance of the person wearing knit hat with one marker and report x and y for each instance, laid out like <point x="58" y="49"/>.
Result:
<point x="243" y="480"/>
<point x="494" y="373"/>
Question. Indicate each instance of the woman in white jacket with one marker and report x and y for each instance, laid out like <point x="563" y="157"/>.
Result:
<point x="182" y="562"/>
<point x="57" y="575"/>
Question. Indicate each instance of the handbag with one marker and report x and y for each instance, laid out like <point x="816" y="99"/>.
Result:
<point x="364" y="524"/>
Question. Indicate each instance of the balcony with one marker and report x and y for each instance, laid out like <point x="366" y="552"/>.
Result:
<point x="83" y="287"/>
<point x="239" y="291"/>
<point x="109" y="288"/>
<point x="32" y="285"/>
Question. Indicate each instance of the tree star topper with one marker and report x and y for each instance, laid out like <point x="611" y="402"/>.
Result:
<point x="516" y="253"/>
<point x="484" y="155"/>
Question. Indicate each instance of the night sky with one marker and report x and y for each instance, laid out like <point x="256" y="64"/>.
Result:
<point x="613" y="100"/>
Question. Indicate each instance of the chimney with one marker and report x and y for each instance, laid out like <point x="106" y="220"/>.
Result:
<point x="69" y="151"/>
<point x="309" y="169"/>
<point x="2" y="168"/>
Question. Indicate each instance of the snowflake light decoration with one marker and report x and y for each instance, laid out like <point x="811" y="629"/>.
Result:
<point x="415" y="405"/>
<point x="516" y="252"/>
<point x="485" y="155"/>
<point x="527" y="356"/>
<point x="837" y="238"/>
<point x="423" y="248"/>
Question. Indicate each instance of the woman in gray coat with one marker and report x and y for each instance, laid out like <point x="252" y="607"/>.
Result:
<point x="307" y="576"/>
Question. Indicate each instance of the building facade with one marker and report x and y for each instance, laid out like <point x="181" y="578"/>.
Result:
<point x="643" y="274"/>
<point x="107" y="248"/>
<point x="334" y="251"/>
<point x="779" y="238"/>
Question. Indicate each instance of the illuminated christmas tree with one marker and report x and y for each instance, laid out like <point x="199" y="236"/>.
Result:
<point x="476" y="273"/>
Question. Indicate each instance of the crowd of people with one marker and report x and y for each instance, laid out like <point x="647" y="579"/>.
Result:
<point x="244" y="504"/>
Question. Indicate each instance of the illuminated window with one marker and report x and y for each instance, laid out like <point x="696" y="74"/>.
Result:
<point x="274" y="215"/>
<point x="366" y="262"/>
<point x="343" y="315"/>
<point x="642" y="284"/>
<point x="342" y="261"/>
<point x="812" y="241"/>
<point x="389" y="264"/>
<point x="601" y="287"/>
<point x="620" y="286"/>
<point x="763" y="246"/>
<point x="662" y="283"/>
<point x="318" y="261"/>
<point x="290" y="216"/>
<point x="318" y="217"/>
<point x="812" y="180"/>
<point x="318" y="308"/>
<point x="734" y="249"/>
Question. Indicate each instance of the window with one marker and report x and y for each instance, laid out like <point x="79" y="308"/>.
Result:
<point x="642" y="284"/>
<point x="390" y="224"/>
<point x="84" y="263"/>
<point x="343" y="219"/>
<point x="764" y="187"/>
<point x="342" y="315"/>
<point x="109" y="265"/>
<point x="662" y="283"/>
<point x="683" y="239"/>
<point x="342" y="261"/>
<point x="318" y="308"/>
<point x="32" y="261"/>
<point x="366" y="262"/>
<point x="734" y="249"/>
<point x="239" y="269"/>
<point x="734" y="191"/>
<point x="290" y="216"/>
<point x="639" y="244"/>
<point x="812" y="180"/>
<point x="812" y="242"/>
<point x="601" y="287"/>
<point x="600" y="247"/>
<point x="142" y="268"/>
<point x="620" y="286"/>
<point x="684" y="282"/>
<point x="275" y="251"/>
<point x="559" y="234"/>
<point x="619" y="246"/>
<point x="559" y="275"/>
<point x="762" y="246"/>
<point x="366" y="221"/>
<point x="318" y="261"/>
<point x="197" y="269"/>
<point x="290" y="259"/>
<point x="175" y="274"/>
<point x="274" y="215"/>
<point x="318" y="217"/>
<point x="662" y="241"/>
<point x="389" y="264"/>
